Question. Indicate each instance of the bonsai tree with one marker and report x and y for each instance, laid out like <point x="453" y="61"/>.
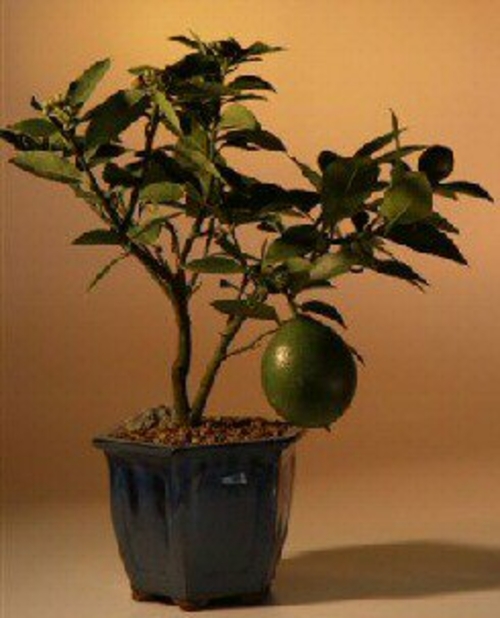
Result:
<point x="176" y="204"/>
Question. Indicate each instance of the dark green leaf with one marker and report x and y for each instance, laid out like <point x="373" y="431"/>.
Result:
<point x="115" y="175"/>
<point x="253" y="139"/>
<point x="377" y="144"/>
<point x="444" y="192"/>
<point x="215" y="264"/>
<point x="98" y="237"/>
<point x="295" y="241"/>
<point x="258" y="48"/>
<point x="105" y="153"/>
<point x="189" y="156"/>
<point x="441" y="223"/>
<point x="245" y="309"/>
<point x="22" y="142"/>
<point x="280" y="250"/>
<point x="230" y="248"/>
<point x="311" y="175"/>
<point x="250" y="82"/>
<point x="111" y="118"/>
<point x="324" y="309"/>
<point x="398" y="269"/>
<point x="82" y="88"/>
<point x="47" y="165"/>
<point x="184" y="40"/>
<point x="467" y="188"/>
<point x="425" y="238"/>
<point x="302" y="199"/>
<point x="394" y="155"/>
<point x="347" y="183"/>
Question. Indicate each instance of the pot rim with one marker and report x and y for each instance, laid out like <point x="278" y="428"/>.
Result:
<point x="106" y="439"/>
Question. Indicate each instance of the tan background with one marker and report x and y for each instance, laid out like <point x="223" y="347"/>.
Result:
<point x="76" y="363"/>
<point x="397" y="512"/>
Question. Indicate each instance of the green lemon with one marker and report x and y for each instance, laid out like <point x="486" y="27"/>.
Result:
<point x="308" y="373"/>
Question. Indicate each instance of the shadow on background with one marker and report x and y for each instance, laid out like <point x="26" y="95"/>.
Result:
<point x="386" y="571"/>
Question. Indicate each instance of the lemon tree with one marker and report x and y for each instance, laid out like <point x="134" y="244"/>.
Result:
<point x="177" y="203"/>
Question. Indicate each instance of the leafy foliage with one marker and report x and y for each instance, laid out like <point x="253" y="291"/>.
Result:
<point x="178" y="205"/>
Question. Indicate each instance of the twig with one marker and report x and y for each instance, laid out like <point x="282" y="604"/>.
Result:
<point x="252" y="345"/>
<point x="150" y="133"/>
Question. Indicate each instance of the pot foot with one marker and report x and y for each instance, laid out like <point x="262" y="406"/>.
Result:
<point x="191" y="606"/>
<point x="145" y="597"/>
<point x="255" y="598"/>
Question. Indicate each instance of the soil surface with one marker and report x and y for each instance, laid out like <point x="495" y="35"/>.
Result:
<point x="156" y="426"/>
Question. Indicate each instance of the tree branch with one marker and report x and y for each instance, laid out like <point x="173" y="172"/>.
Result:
<point x="150" y="133"/>
<point x="252" y="345"/>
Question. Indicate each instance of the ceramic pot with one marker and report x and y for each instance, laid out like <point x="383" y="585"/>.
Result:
<point x="200" y="523"/>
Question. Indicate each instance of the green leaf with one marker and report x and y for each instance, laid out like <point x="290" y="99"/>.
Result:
<point x="149" y="232"/>
<point x="168" y="114"/>
<point x="394" y="155"/>
<point x="377" y="144"/>
<point x="444" y="192"/>
<point x="250" y="82"/>
<point x="35" y="127"/>
<point x="408" y="200"/>
<point x="441" y="223"/>
<point x="184" y="40"/>
<point x="98" y="237"/>
<point x="304" y="200"/>
<point x="258" y="48"/>
<point x="296" y="241"/>
<point x="400" y="270"/>
<point x="24" y="141"/>
<point x="189" y="155"/>
<point x="214" y="264"/>
<point x="245" y="309"/>
<point x="425" y="238"/>
<point x="238" y="116"/>
<point x="323" y="309"/>
<point x="280" y="250"/>
<point x="47" y="165"/>
<point x="332" y="265"/>
<point x="81" y="89"/>
<point x="111" y="118"/>
<point x="254" y="139"/>
<point x="347" y="183"/>
<point x="105" y="271"/>
<point x="161" y="193"/>
<point x="309" y="174"/>
<point x="471" y="189"/>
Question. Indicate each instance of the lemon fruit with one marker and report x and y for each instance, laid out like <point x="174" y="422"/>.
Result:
<point x="308" y="373"/>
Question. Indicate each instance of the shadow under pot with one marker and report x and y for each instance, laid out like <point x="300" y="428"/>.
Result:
<point x="198" y="524"/>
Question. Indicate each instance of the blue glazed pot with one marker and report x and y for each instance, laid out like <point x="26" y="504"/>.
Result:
<point x="199" y="523"/>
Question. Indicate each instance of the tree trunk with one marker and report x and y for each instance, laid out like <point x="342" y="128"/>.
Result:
<point x="182" y="362"/>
